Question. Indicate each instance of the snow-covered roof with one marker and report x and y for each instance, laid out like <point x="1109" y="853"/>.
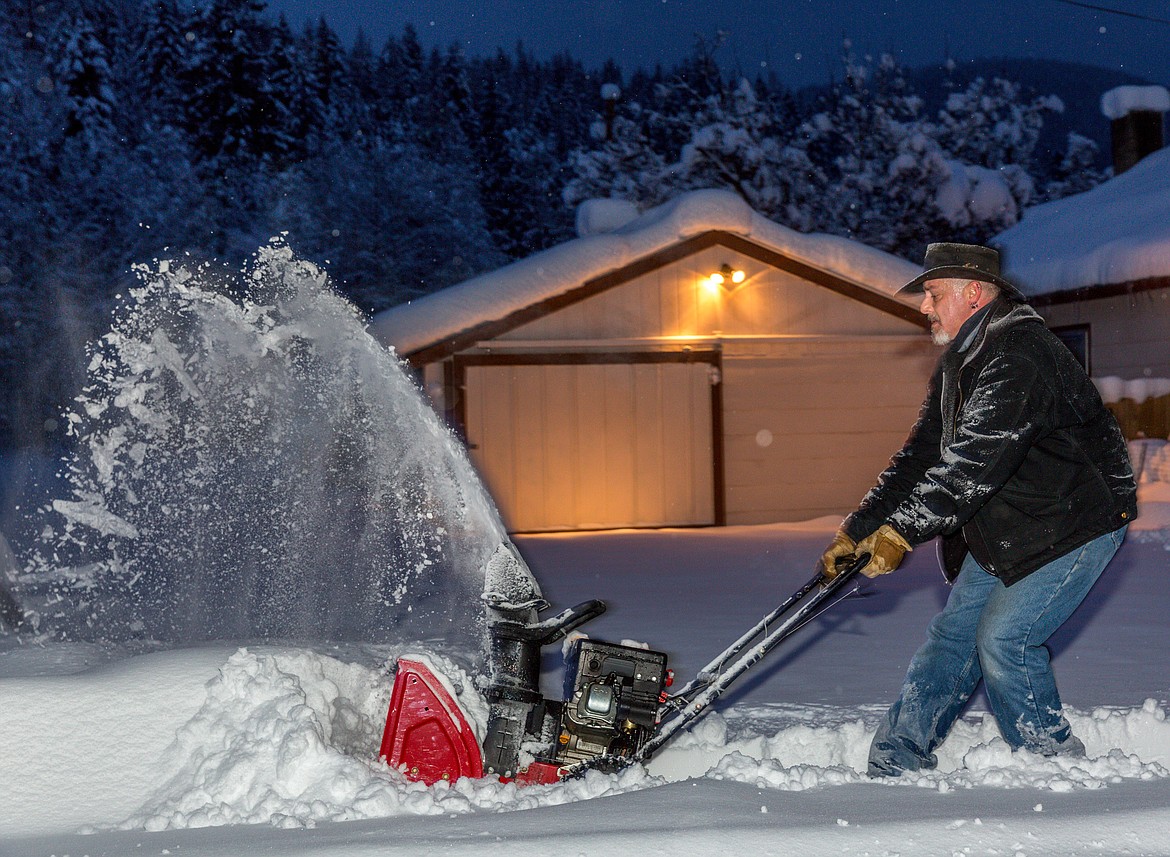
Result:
<point x="1118" y="232"/>
<point x="497" y="294"/>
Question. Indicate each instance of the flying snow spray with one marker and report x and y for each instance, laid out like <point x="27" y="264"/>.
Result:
<point x="248" y="461"/>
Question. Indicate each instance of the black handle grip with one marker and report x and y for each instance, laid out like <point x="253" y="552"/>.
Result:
<point x="572" y="619"/>
<point x="849" y="565"/>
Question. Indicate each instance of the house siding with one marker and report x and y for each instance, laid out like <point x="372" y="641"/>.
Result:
<point x="1129" y="333"/>
<point x="808" y="426"/>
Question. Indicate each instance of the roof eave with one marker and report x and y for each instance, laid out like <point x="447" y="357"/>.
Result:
<point x="454" y="343"/>
<point x="1099" y="290"/>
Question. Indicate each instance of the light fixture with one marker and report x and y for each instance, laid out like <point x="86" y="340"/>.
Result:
<point x="726" y="276"/>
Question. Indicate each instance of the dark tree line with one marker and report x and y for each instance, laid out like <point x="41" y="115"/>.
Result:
<point x="139" y="129"/>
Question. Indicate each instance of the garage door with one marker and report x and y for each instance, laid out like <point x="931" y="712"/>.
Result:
<point x="572" y="445"/>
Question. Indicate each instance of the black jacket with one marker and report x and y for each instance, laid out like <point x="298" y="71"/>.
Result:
<point x="1013" y="453"/>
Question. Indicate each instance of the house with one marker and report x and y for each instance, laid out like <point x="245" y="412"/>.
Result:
<point x="611" y="381"/>
<point x="1097" y="266"/>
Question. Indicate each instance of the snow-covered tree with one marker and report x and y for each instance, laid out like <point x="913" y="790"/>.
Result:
<point x="296" y="112"/>
<point x="225" y="73"/>
<point x="362" y="73"/>
<point x="325" y="82"/>
<point x="738" y="144"/>
<point x="84" y="77"/>
<point x="622" y="166"/>
<point x="878" y="166"/>
<point x="528" y="214"/>
<point x="993" y="124"/>
<point x="400" y="79"/>
<point x="1077" y="170"/>
<point x="130" y="126"/>
<point x="388" y="220"/>
<point x="158" y="63"/>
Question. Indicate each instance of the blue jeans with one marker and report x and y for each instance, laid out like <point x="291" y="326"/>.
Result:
<point x="997" y="633"/>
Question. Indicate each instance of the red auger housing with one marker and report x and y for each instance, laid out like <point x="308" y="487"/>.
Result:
<point x="610" y="704"/>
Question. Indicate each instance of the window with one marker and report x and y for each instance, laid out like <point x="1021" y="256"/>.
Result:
<point x="1076" y="337"/>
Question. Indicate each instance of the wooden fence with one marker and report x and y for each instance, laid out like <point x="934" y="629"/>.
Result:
<point x="1149" y="418"/>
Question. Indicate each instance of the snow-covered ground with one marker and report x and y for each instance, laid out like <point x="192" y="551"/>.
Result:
<point x="258" y="749"/>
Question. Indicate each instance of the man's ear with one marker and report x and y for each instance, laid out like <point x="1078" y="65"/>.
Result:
<point x="973" y="293"/>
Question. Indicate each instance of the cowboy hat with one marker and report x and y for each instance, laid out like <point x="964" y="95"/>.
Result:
<point x="962" y="261"/>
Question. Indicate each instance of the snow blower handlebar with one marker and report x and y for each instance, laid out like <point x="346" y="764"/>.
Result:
<point x="712" y="681"/>
<point x="708" y="673"/>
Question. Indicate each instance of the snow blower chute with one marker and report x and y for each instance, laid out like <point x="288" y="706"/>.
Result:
<point x="616" y="708"/>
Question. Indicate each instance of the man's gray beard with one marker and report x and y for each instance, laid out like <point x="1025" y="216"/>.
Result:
<point x="941" y="337"/>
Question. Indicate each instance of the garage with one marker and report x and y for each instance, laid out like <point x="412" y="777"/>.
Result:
<point x="578" y="441"/>
<point x="697" y="365"/>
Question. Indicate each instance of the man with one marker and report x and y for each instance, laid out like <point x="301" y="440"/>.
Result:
<point x="1022" y="470"/>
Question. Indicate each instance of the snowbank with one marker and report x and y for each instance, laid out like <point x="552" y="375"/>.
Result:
<point x="196" y="738"/>
<point x="274" y="747"/>
<point x="288" y="737"/>
<point x="1114" y="389"/>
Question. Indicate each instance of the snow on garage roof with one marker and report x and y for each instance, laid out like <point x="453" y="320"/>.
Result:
<point x="1118" y="232"/>
<point x="497" y="294"/>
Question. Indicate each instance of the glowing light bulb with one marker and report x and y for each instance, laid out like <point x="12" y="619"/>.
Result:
<point x="726" y="277"/>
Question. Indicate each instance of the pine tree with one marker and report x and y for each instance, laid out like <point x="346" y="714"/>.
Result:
<point x="738" y="144"/>
<point x="620" y="165"/>
<point x="295" y="112"/>
<point x="878" y="168"/>
<point x="402" y="229"/>
<point x="990" y="123"/>
<point x="326" y="82"/>
<point x="229" y="109"/>
<point x="990" y="131"/>
<point x="160" y="49"/>
<point x="453" y="100"/>
<point x="400" y="82"/>
<point x="84" y="75"/>
<point x="497" y="187"/>
<point x="361" y="70"/>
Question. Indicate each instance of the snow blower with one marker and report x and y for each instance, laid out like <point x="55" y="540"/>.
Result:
<point x="616" y="708"/>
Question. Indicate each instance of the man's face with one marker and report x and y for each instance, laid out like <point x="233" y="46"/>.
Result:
<point x="945" y="305"/>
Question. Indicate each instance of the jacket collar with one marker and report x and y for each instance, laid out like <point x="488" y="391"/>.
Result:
<point x="971" y="327"/>
<point x="993" y="320"/>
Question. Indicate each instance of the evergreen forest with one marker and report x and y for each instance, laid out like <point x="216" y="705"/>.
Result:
<point x="134" y="130"/>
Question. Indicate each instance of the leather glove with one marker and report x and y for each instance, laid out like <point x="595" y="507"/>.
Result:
<point x="840" y="546"/>
<point x="885" y="547"/>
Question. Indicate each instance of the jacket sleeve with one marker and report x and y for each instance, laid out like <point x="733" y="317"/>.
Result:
<point x="995" y="427"/>
<point x="907" y="468"/>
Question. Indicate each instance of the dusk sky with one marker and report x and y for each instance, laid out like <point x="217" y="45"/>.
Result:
<point x="798" y="39"/>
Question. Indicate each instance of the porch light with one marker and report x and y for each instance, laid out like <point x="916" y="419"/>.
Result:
<point x="726" y="276"/>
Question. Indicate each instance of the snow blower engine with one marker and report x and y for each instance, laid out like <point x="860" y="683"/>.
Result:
<point x="615" y="709"/>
